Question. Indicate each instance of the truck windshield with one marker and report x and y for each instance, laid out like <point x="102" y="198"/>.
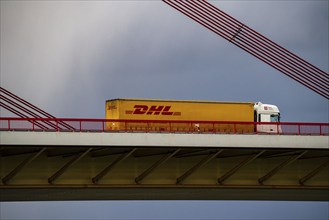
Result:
<point x="275" y="118"/>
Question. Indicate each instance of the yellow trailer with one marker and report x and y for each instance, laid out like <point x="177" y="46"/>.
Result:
<point x="163" y="111"/>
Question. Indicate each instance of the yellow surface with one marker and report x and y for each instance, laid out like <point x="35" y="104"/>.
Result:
<point x="138" y="109"/>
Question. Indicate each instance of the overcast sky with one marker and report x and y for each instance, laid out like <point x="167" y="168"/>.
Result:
<point x="165" y="210"/>
<point x="69" y="57"/>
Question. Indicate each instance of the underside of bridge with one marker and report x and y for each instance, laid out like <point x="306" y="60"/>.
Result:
<point x="38" y="173"/>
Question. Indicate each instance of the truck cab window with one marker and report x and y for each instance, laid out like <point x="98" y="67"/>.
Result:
<point x="275" y="118"/>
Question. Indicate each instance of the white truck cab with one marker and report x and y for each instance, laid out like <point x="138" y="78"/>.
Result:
<point x="267" y="113"/>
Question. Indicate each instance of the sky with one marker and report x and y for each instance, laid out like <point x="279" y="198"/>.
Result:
<point x="69" y="57"/>
<point x="150" y="210"/>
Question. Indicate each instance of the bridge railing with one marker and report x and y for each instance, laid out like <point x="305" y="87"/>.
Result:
<point x="158" y="126"/>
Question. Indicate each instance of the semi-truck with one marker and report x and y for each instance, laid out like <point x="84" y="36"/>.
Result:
<point x="155" y="115"/>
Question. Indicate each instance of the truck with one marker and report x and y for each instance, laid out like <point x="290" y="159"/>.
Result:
<point x="190" y="115"/>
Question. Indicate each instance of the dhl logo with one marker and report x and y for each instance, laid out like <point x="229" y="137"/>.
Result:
<point x="152" y="110"/>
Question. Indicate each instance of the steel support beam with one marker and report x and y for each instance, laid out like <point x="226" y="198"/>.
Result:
<point x="237" y="167"/>
<point x="24" y="163"/>
<point x="154" y="166"/>
<point x="67" y="166"/>
<point x="121" y="158"/>
<point x="313" y="173"/>
<point x="289" y="153"/>
<point x="279" y="167"/>
<point x="162" y="192"/>
<point x="197" y="166"/>
<point x="195" y="153"/>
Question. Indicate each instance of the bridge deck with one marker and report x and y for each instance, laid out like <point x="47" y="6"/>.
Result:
<point x="163" y="140"/>
<point x="107" y="165"/>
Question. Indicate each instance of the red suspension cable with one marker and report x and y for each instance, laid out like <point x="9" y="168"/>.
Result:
<point x="254" y="43"/>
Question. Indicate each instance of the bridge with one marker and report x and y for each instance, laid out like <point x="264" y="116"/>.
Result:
<point x="85" y="161"/>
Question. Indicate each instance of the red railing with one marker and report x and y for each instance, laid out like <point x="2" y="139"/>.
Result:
<point x="158" y="126"/>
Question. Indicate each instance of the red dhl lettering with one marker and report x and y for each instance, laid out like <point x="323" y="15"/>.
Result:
<point x="155" y="109"/>
<point x="152" y="110"/>
<point x="140" y="109"/>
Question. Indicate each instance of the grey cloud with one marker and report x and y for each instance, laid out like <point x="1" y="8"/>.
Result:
<point x="74" y="55"/>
